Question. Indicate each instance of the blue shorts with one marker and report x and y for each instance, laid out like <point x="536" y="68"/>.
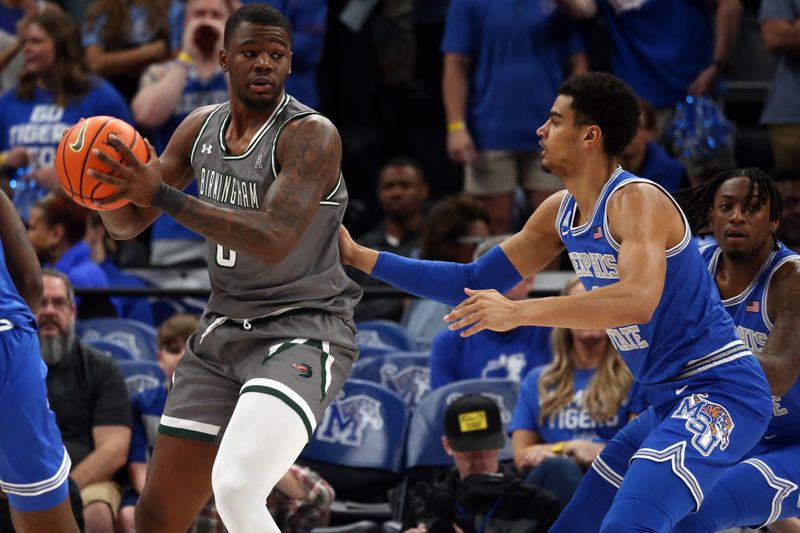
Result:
<point x="34" y="464"/>
<point x="700" y="427"/>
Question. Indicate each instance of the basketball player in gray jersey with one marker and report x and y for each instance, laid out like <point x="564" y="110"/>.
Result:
<point x="275" y="344"/>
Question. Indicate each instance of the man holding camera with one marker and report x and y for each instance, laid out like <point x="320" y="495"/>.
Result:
<point x="478" y="494"/>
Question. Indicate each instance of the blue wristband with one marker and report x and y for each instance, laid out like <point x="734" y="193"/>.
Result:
<point x="445" y="282"/>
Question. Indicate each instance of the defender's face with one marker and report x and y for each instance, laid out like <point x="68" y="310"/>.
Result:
<point x="559" y="137"/>
<point x="740" y="224"/>
<point x="258" y="60"/>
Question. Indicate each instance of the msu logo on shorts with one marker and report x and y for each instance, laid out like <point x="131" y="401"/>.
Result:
<point x="347" y="419"/>
<point x="709" y="422"/>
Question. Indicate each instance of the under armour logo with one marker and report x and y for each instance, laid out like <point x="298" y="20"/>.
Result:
<point x="206" y="149"/>
<point x="259" y="162"/>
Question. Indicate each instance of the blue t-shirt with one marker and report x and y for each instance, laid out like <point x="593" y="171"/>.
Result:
<point x="488" y="354"/>
<point x="13" y="308"/>
<point x="77" y="264"/>
<point x="147" y="407"/>
<point x="519" y="52"/>
<point x="573" y="421"/>
<point x="9" y="17"/>
<point x="128" y="307"/>
<point x="783" y="101"/>
<point x="662" y="168"/>
<point x="749" y="312"/>
<point x="140" y="31"/>
<point x="689" y="327"/>
<point x="660" y="46"/>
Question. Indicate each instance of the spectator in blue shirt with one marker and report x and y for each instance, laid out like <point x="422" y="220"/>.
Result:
<point x="490" y="354"/>
<point x="569" y="409"/>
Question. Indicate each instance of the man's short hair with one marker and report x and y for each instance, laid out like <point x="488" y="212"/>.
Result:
<point x="263" y="14"/>
<point x="402" y="161"/>
<point x="63" y="277"/>
<point x="604" y="100"/>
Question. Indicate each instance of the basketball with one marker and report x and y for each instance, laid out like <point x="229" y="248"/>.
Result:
<point x="74" y="157"/>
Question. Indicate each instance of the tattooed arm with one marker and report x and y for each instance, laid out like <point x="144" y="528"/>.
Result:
<point x="309" y="153"/>
<point x="130" y="220"/>
<point x="21" y="261"/>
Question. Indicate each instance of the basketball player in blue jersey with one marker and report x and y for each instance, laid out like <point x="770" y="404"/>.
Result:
<point x="759" y="281"/>
<point x="276" y="341"/>
<point x="34" y="464"/>
<point x="647" y="286"/>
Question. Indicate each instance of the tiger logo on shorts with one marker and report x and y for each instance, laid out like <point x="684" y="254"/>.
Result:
<point x="709" y="422"/>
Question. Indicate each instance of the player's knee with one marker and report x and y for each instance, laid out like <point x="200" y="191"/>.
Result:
<point x="230" y="486"/>
<point x="635" y="515"/>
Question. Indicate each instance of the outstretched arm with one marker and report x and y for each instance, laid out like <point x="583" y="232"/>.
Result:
<point x="645" y="223"/>
<point x="501" y="268"/>
<point x="21" y="261"/>
<point x="309" y="151"/>
<point x="780" y="357"/>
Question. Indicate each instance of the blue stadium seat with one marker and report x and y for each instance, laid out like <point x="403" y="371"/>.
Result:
<point x="383" y="333"/>
<point x="139" y="338"/>
<point x="358" y="448"/>
<point x="141" y="375"/>
<point x="115" y="351"/>
<point x="368" y="352"/>
<point x="404" y="373"/>
<point x="423" y="442"/>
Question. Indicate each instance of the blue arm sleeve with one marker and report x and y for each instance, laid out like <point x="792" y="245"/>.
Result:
<point x="445" y="282"/>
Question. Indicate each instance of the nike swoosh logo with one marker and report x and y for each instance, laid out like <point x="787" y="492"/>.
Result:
<point x="678" y="392"/>
<point x="77" y="145"/>
<point x="767" y="437"/>
<point x="565" y="232"/>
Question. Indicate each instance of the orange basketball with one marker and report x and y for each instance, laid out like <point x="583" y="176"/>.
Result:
<point x="74" y="157"/>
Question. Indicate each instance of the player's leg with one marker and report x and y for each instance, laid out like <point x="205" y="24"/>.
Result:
<point x="178" y="484"/>
<point x="753" y="493"/>
<point x="701" y="435"/>
<point x="200" y="403"/>
<point x="491" y="179"/>
<point x="597" y="489"/>
<point x="255" y="453"/>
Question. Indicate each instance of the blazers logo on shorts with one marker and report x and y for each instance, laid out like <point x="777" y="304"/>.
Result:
<point x="348" y="419"/>
<point x="709" y="422"/>
<point x="304" y="369"/>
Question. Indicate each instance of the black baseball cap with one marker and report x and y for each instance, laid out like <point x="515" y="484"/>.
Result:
<point x="472" y="422"/>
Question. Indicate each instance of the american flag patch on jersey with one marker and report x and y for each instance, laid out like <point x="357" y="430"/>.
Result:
<point x="753" y="307"/>
<point x="598" y="233"/>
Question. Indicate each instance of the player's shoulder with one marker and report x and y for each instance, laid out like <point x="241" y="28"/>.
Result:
<point x="785" y="282"/>
<point x="309" y="124"/>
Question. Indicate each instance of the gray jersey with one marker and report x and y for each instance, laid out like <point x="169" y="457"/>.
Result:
<point x="311" y="276"/>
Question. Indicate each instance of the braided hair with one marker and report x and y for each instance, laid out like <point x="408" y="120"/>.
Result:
<point x="697" y="202"/>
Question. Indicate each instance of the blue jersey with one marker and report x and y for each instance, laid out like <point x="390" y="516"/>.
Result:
<point x="689" y="331"/>
<point x="488" y="354"/>
<point x="573" y="421"/>
<point x="13" y="308"/>
<point x="749" y="313"/>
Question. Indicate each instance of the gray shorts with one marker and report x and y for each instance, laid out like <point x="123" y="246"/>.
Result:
<point x="500" y="171"/>
<point x="302" y="358"/>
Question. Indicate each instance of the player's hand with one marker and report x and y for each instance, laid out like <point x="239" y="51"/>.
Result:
<point x="135" y="180"/>
<point x="353" y="254"/>
<point x="347" y="246"/>
<point x="705" y="81"/>
<point x="460" y="147"/>
<point x="486" y="309"/>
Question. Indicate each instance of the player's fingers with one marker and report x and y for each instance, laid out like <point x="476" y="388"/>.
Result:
<point x="108" y="199"/>
<point x="123" y="149"/>
<point x="472" y="330"/>
<point x="109" y="179"/>
<point x="151" y="151"/>
<point x="115" y="165"/>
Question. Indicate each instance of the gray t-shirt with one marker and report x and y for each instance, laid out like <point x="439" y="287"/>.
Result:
<point x="783" y="102"/>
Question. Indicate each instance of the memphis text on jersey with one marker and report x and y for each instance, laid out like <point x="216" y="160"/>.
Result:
<point x="604" y="266"/>
<point x="227" y="189"/>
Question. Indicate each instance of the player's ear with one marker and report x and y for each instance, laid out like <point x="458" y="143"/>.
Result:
<point x="223" y="60"/>
<point x="592" y="133"/>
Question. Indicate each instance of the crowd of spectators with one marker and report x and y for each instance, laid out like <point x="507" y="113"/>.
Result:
<point x="438" y="103"/>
